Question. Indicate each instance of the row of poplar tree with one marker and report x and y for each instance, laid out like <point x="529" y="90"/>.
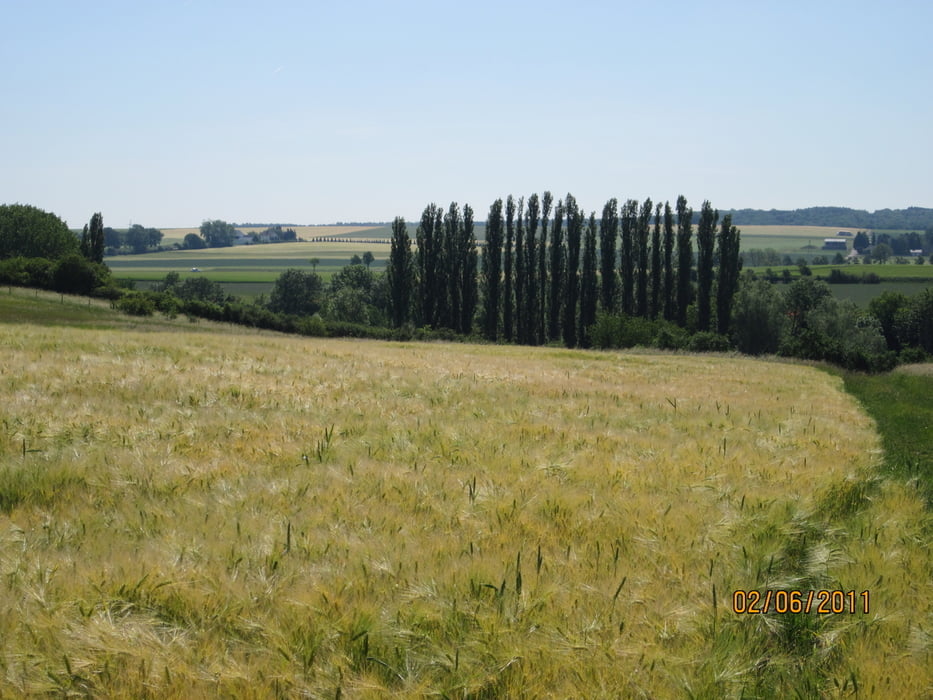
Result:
<point x="547" y="269"/>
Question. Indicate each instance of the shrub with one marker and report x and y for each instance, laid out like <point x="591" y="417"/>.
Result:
<point x="313" y="326"/>
<point x="75" y="274"/>
<point x="707" y="341"/>
<point x="914" y="355"/>
<point x="670" y="336"/>
<point x="136" y="305"/>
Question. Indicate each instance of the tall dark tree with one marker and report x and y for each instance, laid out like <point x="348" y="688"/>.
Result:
<point x="96" y="236"/>
<point x="556" y="289"/>
<point x="520" y="282"/>
<point x="530" y="312"/>
<point x="641" y="258"/>
<point x="730" y="265"/>
<point x="684" y="258"/>
<point x="629" y="225"/>
<point x="468" y="289"/>
<point x="706" y="241"/>
<point x="589" y="289"/>
<point x="654" y="303"/>
<point x="85" y="245"/>
<point x="428" y="259"/>
<point x="669" y="293"/>
<point x="508" y="282"/>
<point x="492" y="272"/>
<point x="575" y="220"/>
<point x="547" y="201"/>
<point x="400" y="273"/>
<point x="454" y="262"/>
<point x="608" y="234"/>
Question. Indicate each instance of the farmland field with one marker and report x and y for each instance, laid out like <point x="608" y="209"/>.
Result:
<point x="177" y="235"/>
<point x="251" y="270"/>
<point x="255" y="267"/>
<point x="862" y="294"/>
<point x="210" y="512"/>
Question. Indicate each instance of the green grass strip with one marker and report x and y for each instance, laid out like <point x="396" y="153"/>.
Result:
<point x="901" y="404"/>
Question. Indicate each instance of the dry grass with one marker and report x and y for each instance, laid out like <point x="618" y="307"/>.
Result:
<point x="196" y="514"/>
<point x="921" y="369"/>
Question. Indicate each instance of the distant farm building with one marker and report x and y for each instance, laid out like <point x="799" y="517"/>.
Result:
<point x="834" y="244"/>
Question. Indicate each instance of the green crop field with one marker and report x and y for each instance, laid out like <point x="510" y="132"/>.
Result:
<point x="862" y="294"/>
<point x="206" y="511"/>
<point x="248" y="270"/>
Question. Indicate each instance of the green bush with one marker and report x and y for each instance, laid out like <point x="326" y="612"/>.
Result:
<point x="670" y="336"/>
<point x="619" y="331"/>
<point x="707" y="341"/>
<point x="136" y="305"/>
<point x="313" y="326"/>
<point x="75" y="274"/>
<point x="914" y="355"/>
<point x="27" y="272"/>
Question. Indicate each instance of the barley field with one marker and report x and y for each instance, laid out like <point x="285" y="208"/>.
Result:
<point x="195" y="511"/>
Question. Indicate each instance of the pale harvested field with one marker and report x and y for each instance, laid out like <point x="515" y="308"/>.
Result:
<point x="205" y="514"/>
<point x="306" y="232"/>
<point x="817" y="233"/>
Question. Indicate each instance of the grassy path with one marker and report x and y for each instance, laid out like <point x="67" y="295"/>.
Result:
<point x="902" y="405"/>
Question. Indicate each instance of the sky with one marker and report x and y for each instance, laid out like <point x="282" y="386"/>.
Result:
<point x="170" y="113"/>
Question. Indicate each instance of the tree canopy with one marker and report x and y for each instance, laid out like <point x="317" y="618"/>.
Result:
<point x="29" y="232"/>
<point x="218" y="234"/>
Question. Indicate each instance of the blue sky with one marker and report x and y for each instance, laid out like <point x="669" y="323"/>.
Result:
<point x="170" y="113"/>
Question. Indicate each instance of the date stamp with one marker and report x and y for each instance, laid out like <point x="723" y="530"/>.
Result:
<point x="779" y="601"/>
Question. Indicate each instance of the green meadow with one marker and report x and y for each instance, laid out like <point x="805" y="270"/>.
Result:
<point x="200" y="510"/>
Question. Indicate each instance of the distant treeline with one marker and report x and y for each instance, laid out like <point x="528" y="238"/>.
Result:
<point x="912" y="218"/>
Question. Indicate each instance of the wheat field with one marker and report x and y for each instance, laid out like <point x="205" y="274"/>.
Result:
<point x="206" y="512"/>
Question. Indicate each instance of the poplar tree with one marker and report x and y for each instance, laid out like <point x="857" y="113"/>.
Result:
<point x="85" y="246"/>
<point x="641" y="258"/>
<point x="668" y="263"/>
<point x="492" y="271"/>
<point x="530" y="311"/>
<point x="608" y="233"/>
<point x="730" y="265"/>
<point x="589" y="290"/>
<point x="92" y="239"/>
<point x="400" y="273"/>
<point x="453" y="262"/>
<point x="556" y="291"/>
<point x="571" y="279"/>
<point x="428" y="261"/>
<point x="520" y="271"/>
<point x="468" y="288"/>
<point x="627" y="256"/>
<point x="654" y="305"/>
<point x="508" y="298"/>
<point x="541" y="322"/>
<point x="706" y="241"/>
<point x="684" y="258"/>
